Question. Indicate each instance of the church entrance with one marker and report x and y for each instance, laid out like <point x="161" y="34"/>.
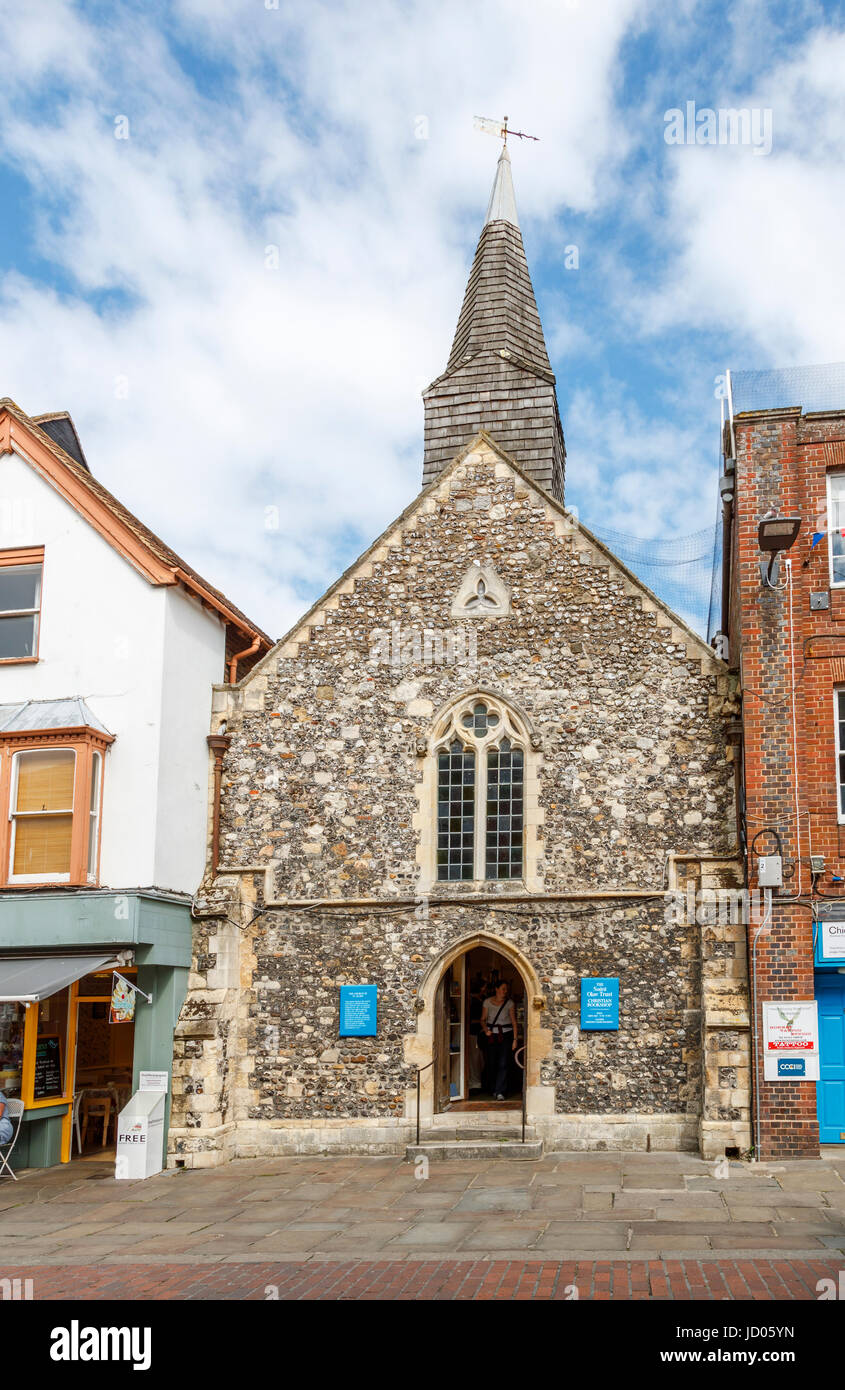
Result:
<point x="474" y="1070"/>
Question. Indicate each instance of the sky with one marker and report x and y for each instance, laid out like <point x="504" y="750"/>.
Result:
<point x="235" y="236"/>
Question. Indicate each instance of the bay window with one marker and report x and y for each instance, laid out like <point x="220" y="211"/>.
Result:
<point x="54" y="800"/>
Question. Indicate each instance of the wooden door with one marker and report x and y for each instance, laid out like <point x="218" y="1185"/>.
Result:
<point x="441" y="1044"/>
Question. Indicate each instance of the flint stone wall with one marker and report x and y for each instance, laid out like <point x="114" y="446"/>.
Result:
<point x="321" y="791"/>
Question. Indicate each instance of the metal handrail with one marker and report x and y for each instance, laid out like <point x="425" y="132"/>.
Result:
<point x="420" y="1071"/>
<point x="522" y="1066"/>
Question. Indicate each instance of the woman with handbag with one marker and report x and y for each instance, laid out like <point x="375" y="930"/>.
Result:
<point x="499" y="1022"/>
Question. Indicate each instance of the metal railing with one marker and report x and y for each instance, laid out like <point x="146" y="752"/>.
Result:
<point x="420" y="1071"/>
<point x="521" y="1065"/>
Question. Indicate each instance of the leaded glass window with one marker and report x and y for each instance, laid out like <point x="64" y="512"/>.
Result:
<point x="504" y="822"/>
<point x="480" y="794"/>
<point x="456" y="812"/>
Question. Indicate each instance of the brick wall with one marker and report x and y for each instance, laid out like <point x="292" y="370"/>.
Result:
<point x="783" y="458"/>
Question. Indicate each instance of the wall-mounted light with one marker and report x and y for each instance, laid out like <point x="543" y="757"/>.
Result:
<point x="775" y="534"/>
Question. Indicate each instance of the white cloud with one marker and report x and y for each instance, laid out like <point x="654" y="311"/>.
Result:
<point x="298" y="387"/>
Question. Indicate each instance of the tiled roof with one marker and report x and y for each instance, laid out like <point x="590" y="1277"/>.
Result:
<point x="498" y="377"/>
<point x="154" y="544"/>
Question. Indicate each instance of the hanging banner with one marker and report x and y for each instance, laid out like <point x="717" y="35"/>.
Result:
<point x="122" y="1001"/>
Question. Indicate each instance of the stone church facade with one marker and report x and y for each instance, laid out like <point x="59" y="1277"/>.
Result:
<point x="487" y="737"/>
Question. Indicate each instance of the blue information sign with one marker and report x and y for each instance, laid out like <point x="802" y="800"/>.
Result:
<point x="358" y="1007"/>
<point x="792" y="1066"/>
<point x="600" y="1003"/>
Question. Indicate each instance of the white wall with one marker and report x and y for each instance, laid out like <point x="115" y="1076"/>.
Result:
<point x="192" y="663"/>
<point x="111" y="637"/>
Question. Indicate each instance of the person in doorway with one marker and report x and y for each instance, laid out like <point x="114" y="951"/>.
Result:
<point x="499" y="1019"/>
<point x="6" y="1130"/>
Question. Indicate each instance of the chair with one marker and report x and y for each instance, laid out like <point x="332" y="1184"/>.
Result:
<point x="14" y="1110"/>
<point x="96" y="1108"/>
<point x="74" y="1122"/>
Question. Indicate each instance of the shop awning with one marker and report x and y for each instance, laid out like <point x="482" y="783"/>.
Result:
<point x="26" y="979"/>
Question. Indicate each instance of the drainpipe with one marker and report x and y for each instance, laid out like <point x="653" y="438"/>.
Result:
<point x="727" y="486"/>
<point x="233" y="661"/>
<point x="218" y="743"/>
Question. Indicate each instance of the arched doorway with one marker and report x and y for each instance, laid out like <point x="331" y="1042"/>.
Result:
<point x="467" y="1068"/>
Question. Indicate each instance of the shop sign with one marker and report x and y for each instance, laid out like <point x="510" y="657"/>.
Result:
<point x="832" y="939"/>
<point x="600" y="1003"/>
<point x="154" y="1081"/>
<point x="358" y="1011"/>
<point x="791" y="1034"/>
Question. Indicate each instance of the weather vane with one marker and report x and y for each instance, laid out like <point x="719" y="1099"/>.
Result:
<point x="499" y="129"/>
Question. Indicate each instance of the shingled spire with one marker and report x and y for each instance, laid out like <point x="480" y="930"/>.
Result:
<point x="498" y="377"/>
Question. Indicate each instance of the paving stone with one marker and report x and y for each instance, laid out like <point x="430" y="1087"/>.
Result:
<point x="492" y="1236"/>
<point x="813" y="1181"/>
<point x="494" y="1199"/>
<point x="434" y="1233"/>
<point x="673" y="1212"/>
<point x="597" y="1201"/>
<point x="569" y="1238"/>
<point x="654" y="1181"/>
<point x="365" y="1237"/>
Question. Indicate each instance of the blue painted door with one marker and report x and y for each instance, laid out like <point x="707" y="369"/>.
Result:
<point x="830" y="1089"/>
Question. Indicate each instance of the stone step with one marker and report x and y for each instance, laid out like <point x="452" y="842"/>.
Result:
<point x="470" y="1133"/>
<point x="479" y="1150"/>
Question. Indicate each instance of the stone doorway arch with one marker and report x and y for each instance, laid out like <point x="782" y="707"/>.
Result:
<point x="419" y="1046"/>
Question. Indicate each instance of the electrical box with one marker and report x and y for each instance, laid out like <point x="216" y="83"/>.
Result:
<point x="770" y="871"/>
<point x="816" y="863"/>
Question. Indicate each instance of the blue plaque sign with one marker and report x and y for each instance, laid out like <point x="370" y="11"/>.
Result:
<point x="600" y="1003"/>
<point x="792" y="1066"/>
<point x="358" y="1007"/>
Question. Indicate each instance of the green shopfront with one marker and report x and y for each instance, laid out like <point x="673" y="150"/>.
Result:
<point x="57" y="953"/>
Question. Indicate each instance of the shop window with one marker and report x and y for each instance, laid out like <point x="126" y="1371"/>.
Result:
<point x="12" y="1023"/>
<point x="836" y="526"/>
<point x="20" y="604"/>
<point x="53" y="815"/>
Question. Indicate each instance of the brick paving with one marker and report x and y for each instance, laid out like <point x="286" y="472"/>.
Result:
<point x="412" y="1280"/>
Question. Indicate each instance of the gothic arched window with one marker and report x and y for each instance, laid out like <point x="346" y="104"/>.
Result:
<point x="480" y="793"/>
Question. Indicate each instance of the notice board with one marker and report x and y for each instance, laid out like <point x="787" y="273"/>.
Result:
<point x="600" y="1003"/>
<point x="48" y="1067"/>
<point x="358" y="1006"/>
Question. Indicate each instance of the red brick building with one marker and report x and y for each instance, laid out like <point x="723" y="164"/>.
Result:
<point x="785" y="457"/>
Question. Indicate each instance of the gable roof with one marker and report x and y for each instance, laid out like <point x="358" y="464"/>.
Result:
<point x="143" y="549"/>
<point x="680" y="631"/>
